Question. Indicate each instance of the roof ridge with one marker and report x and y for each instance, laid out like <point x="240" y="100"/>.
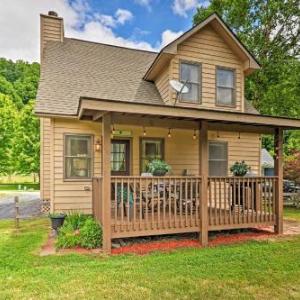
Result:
<point x="110" y="45"/>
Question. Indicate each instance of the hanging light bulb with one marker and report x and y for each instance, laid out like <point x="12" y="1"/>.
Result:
<point x="195" y="135"/>
<point x="169" y="133"/>
<point x="218" y="134"/>
<point x="144" y="131"/>
<point x="113" y="129"/>
<point x="239" y="135"/>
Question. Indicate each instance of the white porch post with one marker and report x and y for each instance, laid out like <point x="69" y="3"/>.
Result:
<point x="278" y="143"/>
<point x="203" y="168"/>
<point x="106" y="182"/>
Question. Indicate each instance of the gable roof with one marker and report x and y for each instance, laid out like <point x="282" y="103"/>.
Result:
<point x="74" y="68"/>
<point x="219" y="25"/>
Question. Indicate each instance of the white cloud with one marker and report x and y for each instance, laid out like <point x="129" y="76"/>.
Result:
<point x="145" y="3"/>
<point x="181" y="7"/>
<point x="169" y="36"/>
<point x="123" y="15"/>
<point x="19" y="26"/>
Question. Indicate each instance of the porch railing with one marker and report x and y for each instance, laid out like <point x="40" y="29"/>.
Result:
<point x="161" y="205"/>
<point x="237" y="202"/>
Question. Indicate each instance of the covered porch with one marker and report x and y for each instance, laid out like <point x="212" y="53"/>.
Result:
<point x="130" y="205"/>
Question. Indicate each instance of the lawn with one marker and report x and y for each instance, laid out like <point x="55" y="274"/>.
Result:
<point x="291" y="213"/>
<point x="252" y="270"/>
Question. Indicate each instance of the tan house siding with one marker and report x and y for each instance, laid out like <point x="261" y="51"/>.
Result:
<point x="162" y="84"/>
<point x="45" y="131"/>
<point x="181" y="152"/>
<point x="208" y="48"/>
<point x="71" y="195"/>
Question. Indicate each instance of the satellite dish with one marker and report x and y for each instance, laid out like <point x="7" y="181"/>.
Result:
<point x="179" y="87"/>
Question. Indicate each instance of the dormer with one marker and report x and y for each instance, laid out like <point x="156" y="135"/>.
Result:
<point x="211" y="61"/>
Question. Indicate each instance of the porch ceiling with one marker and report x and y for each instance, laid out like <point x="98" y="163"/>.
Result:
<point x="179" y="117"/>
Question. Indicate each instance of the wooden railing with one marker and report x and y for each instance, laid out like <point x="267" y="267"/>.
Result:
<point x="153" y="205"/>
<point x="237" y="202"/>
<point x="161" y="205"/>
<point x="97" y="198"/>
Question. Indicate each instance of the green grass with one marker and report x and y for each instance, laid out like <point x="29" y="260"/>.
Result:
<point x="19" y="186"/>
<point x="291" y="213"/>
<point x="252" y="270"/>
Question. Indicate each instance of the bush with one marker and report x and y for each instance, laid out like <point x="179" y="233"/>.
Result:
<point x="79" y="230"/>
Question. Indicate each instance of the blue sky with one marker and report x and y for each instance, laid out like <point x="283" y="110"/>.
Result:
<point x="149" y="21"/>
<point x="142" y="24"/>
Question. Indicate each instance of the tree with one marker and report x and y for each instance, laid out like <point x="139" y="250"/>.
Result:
<point x="292" y="167"/>
<point x="271" y="30"/>
<point x="8" y="116"/>
<point x="27" y="146"/>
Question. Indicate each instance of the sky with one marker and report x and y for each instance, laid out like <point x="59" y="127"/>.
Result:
<point x="142" y="24"/>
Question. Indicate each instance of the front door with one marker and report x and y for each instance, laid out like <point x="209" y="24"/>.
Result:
<point x="120" y="157"/>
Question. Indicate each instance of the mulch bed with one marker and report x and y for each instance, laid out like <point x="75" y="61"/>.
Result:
<point x="169" y="245"/>
<point x="164" y="244"/>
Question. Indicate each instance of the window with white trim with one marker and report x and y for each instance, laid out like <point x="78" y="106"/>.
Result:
<point x="190" y="76"/>
<point x="78" y="157"/>
<point x="225" y="86"/>
<point x="218" y="158"/>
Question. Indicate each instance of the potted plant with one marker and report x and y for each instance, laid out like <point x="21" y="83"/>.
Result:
<point x="158" y="167"/>
<point x="57" y="220"/>
<point x="239" y="168"/>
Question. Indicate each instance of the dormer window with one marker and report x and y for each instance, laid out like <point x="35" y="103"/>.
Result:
<point x="190" y="74"/>
<point x="225" y="86"/>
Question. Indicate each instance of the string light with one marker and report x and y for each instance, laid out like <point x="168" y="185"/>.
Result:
<point x="218" y="134"/>
<point x="195" y="135"/>
<point x="169" y="133"/>
<point x="239" y="136"/>
<point x="113" y="129"/>
<point x="144" y="131"/>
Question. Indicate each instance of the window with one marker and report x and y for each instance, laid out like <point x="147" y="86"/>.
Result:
<point x="150" y="149"/>
<point x="120" y="157"/>
<point x="218" y="159"/>
<point x="225" y="87"/>
<point x="78" y="158"/>
<point x="190" y="74"/>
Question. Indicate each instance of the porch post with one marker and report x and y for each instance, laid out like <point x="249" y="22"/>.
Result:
<point x="203" y="168"/>
<point x="278" y="143"/>
<point x="106" y="185"/>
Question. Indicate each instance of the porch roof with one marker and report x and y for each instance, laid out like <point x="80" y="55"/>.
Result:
<point x="93" y="109"/>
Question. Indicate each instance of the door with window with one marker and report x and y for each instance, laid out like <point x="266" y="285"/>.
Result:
<point x="120" y="157"/>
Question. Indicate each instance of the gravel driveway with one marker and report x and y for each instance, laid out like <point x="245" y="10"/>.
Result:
<point x="30" y="204"/>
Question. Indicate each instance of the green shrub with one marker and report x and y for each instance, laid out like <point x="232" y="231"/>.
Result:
<point x="67" y="237"/>
<point x="79" y="230"/>
<point x="91" y="234"/>
<point x="76" y="219"/>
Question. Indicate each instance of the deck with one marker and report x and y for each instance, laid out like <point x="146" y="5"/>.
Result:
<point x="142" y="206"/>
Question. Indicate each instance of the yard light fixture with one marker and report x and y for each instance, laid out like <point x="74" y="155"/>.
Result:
<point x="98" y="145"/>
<point x="169" y="133"/>
<point x="195" y="135"/>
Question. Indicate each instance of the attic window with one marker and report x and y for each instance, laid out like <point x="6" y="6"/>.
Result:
<point x="225" y="86"/>
<point x="190" y="74"/>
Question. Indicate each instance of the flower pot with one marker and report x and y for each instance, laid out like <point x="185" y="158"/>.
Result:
<point x="159" y="172"/>
<point x="57" y="221"/>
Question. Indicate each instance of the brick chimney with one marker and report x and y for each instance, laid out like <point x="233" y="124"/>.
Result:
<point x="52" y="29"/>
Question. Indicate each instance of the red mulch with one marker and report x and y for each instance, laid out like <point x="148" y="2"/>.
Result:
<point x="168" y="245"/>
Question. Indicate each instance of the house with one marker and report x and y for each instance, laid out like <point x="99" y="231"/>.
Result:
<point x="267" y="163"/>
<point x="107" y="111"/>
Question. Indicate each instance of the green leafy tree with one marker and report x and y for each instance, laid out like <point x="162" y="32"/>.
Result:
<point x="271" y="30"/>
<point x="8" y="117"/>
<point x="27" y="146"/>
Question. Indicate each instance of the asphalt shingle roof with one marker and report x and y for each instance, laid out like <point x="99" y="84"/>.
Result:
<point x="77" y="68"/>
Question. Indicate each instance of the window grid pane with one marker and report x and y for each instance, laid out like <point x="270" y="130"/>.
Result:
<point x="151" y="149"/>
<point x="225" y="87"/>
<point x="78" y="157"/>
<point x="218" y="164"/>
<point x="190" y="74"/>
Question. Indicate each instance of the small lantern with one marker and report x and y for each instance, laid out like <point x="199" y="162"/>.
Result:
<point x="98" y="146"/>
